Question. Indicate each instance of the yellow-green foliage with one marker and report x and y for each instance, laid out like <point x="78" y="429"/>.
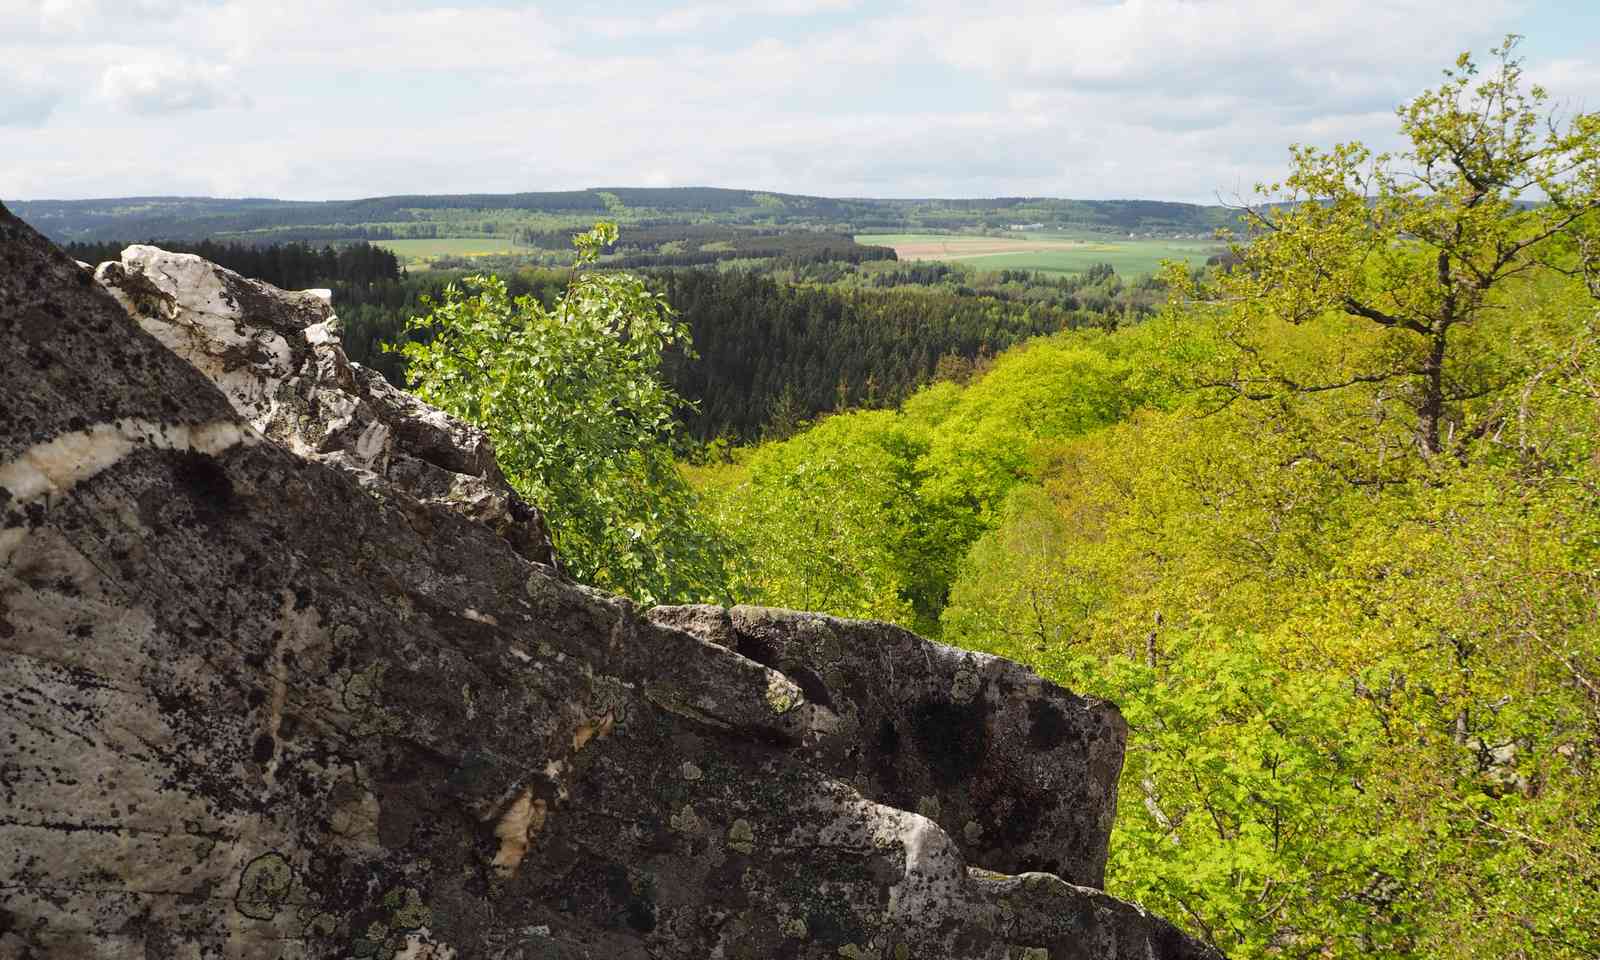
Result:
<point x="868" y="513"/>
<point x="1361" y="719"/>
<point x="1043" y="390"/>
<point x="815" y="518"/>
<point x="581" y="421"/>
<point x="1340" y="571"/>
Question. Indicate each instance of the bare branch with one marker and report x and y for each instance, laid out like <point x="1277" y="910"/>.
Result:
<point x="1352" y="305"/>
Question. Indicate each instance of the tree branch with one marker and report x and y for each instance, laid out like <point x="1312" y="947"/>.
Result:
<point x="1352" y="305"/>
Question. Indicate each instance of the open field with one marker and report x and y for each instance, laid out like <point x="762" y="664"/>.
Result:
<point x="1044" y="253"/>
<point x="417" y="251"/>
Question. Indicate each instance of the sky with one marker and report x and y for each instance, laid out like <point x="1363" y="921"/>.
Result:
<point x="1190" y="100"/>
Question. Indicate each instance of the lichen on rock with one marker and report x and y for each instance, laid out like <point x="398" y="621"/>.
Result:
<point x="276" y="356"/>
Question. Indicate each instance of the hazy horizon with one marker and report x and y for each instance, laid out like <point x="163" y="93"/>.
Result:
<point x="605" y="187"/>
<point x="1178" y="100"/>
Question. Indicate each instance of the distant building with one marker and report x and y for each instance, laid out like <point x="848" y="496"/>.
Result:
<point x="1026" y="226"/>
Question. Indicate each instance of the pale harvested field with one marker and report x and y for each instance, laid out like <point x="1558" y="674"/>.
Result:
<point x="1130" y="257"/>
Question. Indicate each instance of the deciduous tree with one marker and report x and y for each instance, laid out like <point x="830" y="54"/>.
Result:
<point x="580" y="418"/>
<point x="1402" y="260"/>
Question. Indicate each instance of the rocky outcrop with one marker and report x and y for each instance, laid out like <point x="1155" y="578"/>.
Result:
<point x="276" y="356"/>
<point x="272" y="686"/>
<point x="1021" y="774"/>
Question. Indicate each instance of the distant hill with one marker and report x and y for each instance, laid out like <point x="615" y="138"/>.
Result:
<point x="259" y="220"/>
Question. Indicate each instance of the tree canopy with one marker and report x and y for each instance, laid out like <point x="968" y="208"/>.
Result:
<point x="1404" y="262"/>
<point x="581" y="420"/>
<point x="1327" y="530"/>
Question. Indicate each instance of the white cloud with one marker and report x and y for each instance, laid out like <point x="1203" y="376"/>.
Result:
<point x="1265" y="49"/>
<point x="687" y="19"/>
<point x="65" y="16"/>
<point x="27" y="100"/>
<point x="68" y="17"/>
<point x="1575" y="83"/>
<point x="156" y="86"/>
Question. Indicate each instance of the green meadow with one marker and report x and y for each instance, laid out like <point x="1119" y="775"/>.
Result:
<point x="420" y="251"/>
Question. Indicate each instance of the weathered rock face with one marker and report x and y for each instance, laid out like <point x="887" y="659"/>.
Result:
<point x="1021" y="774"/>
<point x="267" y="689"/>
<point x="276" y="356"/>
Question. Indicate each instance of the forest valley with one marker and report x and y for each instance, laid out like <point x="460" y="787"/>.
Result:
<point x="1323" y="519"/>
<point x="777" y="340"/>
